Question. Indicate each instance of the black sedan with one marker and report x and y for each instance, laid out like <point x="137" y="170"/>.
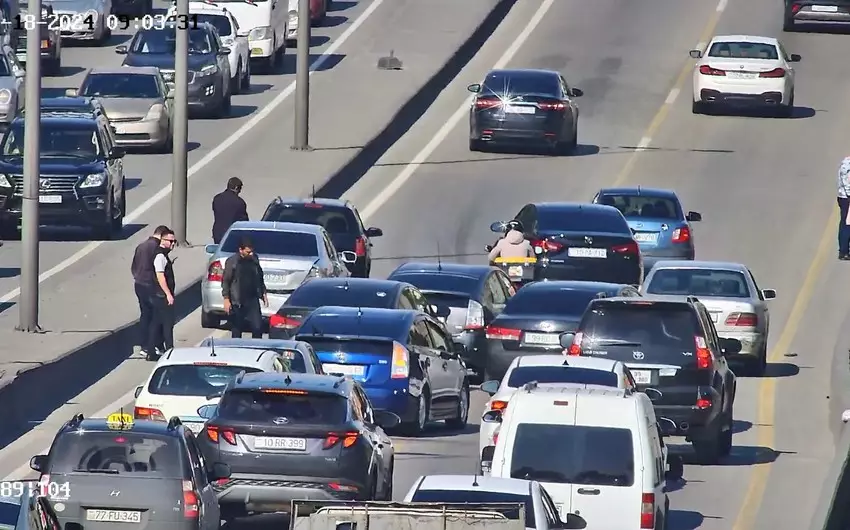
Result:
<point x="578" y="241"/>
<point x="534" y="318"/>
<point x="524" y="106"/>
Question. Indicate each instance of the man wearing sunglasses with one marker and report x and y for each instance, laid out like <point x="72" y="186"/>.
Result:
<point x="162" y="300"/>
<point x="228" y="207"/>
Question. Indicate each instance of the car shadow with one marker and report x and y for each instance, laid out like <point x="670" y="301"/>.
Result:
<point x="9" y="272"/>
<point x="131" y="183"/>
<point x="332" y="21"/>
<point x="439" y="430"/>
<point x="318" y="40"/>
<point x="820" y="28"/>
<point x="686" y="519"/>
<point x="339" y="5"/>
<point x="741" y="455"/>
<point x="798" y="113"/>
<point x="739" y="426"/>
<point x="328" y="62"/>
<point x="257" y="88"/>
<point x="781" y="370"/>
<point x="69" y="71"/>
<point x="580" y="150"/>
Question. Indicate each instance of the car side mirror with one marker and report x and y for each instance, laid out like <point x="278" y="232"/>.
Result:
<point x="492" y="416"/>
<point x="490" y="387"/>
<point x="633" y="231"/>
<point x="224" y="51"/>
<point x="347" y="256"/>
<point x="730" y="346"/>
<point x="374" y="232"/>
<point x="476" y="88"/>
<point x="576" y="92"/>
<point x="442" y="311"/>
<point x="566" y="339"/>
<point x="574" y="521"/>
<point x="488" y="248"/>
<point x="170" y="94"/>
<point x="211" y="249"/>
<point x="219" y="471"/>
<point x="795" y="58"/>
<point x="695" y="54"/>
<point x="71" y="92"/>
<point x="208" y="411"/>
<point x="497" y="227"/>
<point x="386" y="419"/>
<point x="675" y="467"/>
<point x="138" y="391"/>
<point x="694" y="217"/>
<point x="487" y="459"/>
<point x="768" y="294"/>
<point x="39" y="463"/>
<point x="121" y="50"/>
<point x="117" y="152"/>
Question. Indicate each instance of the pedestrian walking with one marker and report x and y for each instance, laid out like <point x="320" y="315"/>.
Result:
<point x="228" y="207"/>
<point x="162" y="299"/>
<point x="844" y="210"/>
<point x="144" y="281"/>
<point x="242" y="288"/>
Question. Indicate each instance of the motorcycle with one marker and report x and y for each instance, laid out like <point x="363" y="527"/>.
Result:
<point x="519" y="270"/>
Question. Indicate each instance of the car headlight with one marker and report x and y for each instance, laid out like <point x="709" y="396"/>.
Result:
<point x="260" y="33"/>
<point x="154" y="113"/>
<point x="293" y="17"/>
<point x="5" y="96"/>
<point x="4" y="182"/>
<point x="209" y="69"/>
<point x="94" y="180"/>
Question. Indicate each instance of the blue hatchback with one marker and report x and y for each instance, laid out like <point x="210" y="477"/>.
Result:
<point x="661" y="227"/>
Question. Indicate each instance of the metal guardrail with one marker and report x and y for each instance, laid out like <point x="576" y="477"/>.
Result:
<point x="833" y="508"/>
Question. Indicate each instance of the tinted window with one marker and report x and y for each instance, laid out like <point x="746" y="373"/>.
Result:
<point x="580" y="221"/>
<point x="264" y="406"/>
<point x="219" y="22"/>
<point x="439" y="282"/>
<point x="502" y="83"/>
<point x="567" y="302"/>
<point x="299" y="244"/>
<point x="351" y="325"/>
<point x="163" y="41"/>
<point x="699" y="282"/>
<point x="561" y="374"/>
<point x="318" y="294"/>
<point x="57" y="140"/>
<point x="9" y="513"/>
<point x="474" y="496"/>
<point x="117" y="453"/>
<point x="637" y="206"/>
<point x="334" y="220"/>
<point x="450" y="300"/>
<point x="5" y="67"/>
<point x="121" y="86"/>
<point x="586" y="455"/>
<point x="744" y="50"/>
<point x="193" y="380"/>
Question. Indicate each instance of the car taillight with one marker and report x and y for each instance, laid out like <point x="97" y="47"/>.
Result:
<point x="44" y="484"/>
<point x="544" y="245"/>
<point x="551" y="105"/>
<point x="215" y="434"/>
<point x="775" y="73"/>
<point x="216" y="272"/>
<point x="681" y="235"/>
<point x="497" y="333"/>
<point x="487" y="103"/>
<point x="795" y="9"/>
<point x="707" y="70"/>
<point x="495" y="438"/>
<point x="348" y="439"/>
<point x="499" y="405"/>
<point x="575" y="347"/>
<point x="647" y="510"/>
<point x="191" y="503"/>
<point x="360" y="246"/>
<point x="282" y="322"/>
<point x="629" y="248"/>
<point x="146" y="413"/>
<point x="400" y="362"/>
<point x="703" y="403"/>
<point x="704" y="357"/>
<point x="742" y="320"/>
<point x="474" y="316"/>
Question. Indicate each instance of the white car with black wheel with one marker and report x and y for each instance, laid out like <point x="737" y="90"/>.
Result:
<point x="740" y="71"/>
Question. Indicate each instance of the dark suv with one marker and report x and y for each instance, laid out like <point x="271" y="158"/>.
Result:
<point x="675" y="356"/>
<point x="297" y="436"/>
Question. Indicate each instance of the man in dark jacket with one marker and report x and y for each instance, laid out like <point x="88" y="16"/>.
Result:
<point x="144" y="280"/>
<point x="162" y="299"/>
<point x="228" y="207"/>
<point x="242" y="288"/>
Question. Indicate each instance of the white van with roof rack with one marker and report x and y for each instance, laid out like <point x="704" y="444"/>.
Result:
<point x="597" y="451"/>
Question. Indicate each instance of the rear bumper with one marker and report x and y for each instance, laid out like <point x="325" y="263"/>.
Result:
<point x="496" y="134"/>
<point x="212" y="302"/>
<point x="736" y="99"/>
<point x="807" y="15"/>
<point x="82" y="524"/>
<point x="274" y="493"/>
<point x="752" y="344"/>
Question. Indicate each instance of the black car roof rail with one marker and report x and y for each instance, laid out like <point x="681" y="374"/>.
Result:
<point x="173" y="423"/>
<point x="239" y="377"/>
<point x="76" y="419"/>
<point x="692" y="299"/>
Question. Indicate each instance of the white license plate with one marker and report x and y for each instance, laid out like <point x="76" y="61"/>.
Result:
<point x="587" y="253"/>
<point x="50" y="199"/>
<point x="642" y="377"/>
<point x="646" y="237"/>
<point x="714" y="316"/>
<point x="285" y="444"/>
<point x="114" y="516"/>
<point x="194" y="427"/>
<point x="515" y="270"/>
<point x="825" y="9"/>
<point x="542" y="338"/>
<point x="274" y="278"/>
<point x="742" y="75"/>
<point x="344" y="369"/>
<point x="519" y="109"/>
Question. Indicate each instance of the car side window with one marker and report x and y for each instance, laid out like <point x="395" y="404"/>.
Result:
<point x="438" y="339"/>
<point x="405" y="300"/>
<point x="359" y="220"/>
<point x="196" y="460"/>
<point x="565" y="88"/>
<point x="709" y="327"/>
<point x="507" y="286"/>
<point x="419" y="301"/>
<point x="314" y="360"/>
<point x="235" y="24"/>
<point x="419" y="335"/>
<point x="362" y="402"/>
<point x="329" y="248"/>
<point x="550" y="509"/>
<point x="630" y="380"/>
<point x="783" y="53"/>
<point x="755" y="284"/>
<point x="105" y="138"/>
<point x="526" y="217"/>
<point x="498" y="292"/>
<point x="357" y="412"/>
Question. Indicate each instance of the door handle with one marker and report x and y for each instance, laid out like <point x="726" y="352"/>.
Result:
<point x="588" y="491"/>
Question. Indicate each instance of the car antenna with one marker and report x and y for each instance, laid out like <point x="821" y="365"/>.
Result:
<point x="439" y="259"/>
<point x="212" y="346"/>
<point x="287" y="380"/>
<point x="313" y="195"/>
<point x="475" y="479"/>
<point x="345" y="285"/>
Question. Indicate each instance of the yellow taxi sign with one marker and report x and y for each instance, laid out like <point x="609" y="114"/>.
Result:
<point x="528" y="261"/>
<point x="119" y="421"/>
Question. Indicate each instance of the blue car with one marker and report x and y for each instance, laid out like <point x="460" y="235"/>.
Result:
<point x="404" y="359"/>
<point x="661" y="227"/>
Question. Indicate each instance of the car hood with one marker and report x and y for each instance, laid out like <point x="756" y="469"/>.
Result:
<point x="118" y="108"/>
<point x="53" y="166"/>
<point x="7" y="82"/>
<point x="166" y="61"/>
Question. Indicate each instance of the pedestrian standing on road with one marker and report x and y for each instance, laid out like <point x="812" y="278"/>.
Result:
<point x="162" y="299"/>
<point x="144" y="280"/>
<point x="844" y="210"/>
<point x="242" y="288"/>
<point x="228" y="207"/>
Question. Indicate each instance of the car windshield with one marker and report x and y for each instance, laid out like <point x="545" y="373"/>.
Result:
<point x="194" y="379"/>
<point x="476" y="496"/>
<point x="318" y="294"/>
<point x="744" y="50"/>
<point x="436" y="281"/>
<point x="335" y="220"/>
<point x="642" y="206"/>
<point x="512" y="83"/>
<point x="117" y="453"/>
<point x="121" y="86"/>
<point x="9" y="513"/>
<point x="561" y="374"/>
<point x="264" y="406"/>
<point x="562" y="302"/>
<point x="575" y="220"/>
<point x="5" y="66"/>
<point x="163" y="42"/>
<point x="274" y="242"/>
<point x="219" y="22"/>
<point x="699" y="282"/>
<point x="598" y="456"/>
<point x="57" y="140"/>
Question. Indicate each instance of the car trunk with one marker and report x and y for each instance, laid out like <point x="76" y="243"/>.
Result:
<point x="743" y="70"/>
<point x="526" y="111"/>
<point x="284" y="275"/>
<point x="726" y="313"/>
<point x="365" y="359"/>
<point x="652" y="232"/>
<point x="288" y="320"/>
<point x="588" y="247"/>
<point x="539" y="332"/>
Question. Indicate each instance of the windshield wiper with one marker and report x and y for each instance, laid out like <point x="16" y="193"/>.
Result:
<point x="100" y="471"/>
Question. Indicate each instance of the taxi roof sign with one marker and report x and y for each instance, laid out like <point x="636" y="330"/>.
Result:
<point x="119" y="421"/>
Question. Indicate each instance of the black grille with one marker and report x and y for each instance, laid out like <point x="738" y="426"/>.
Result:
<point x="49" y="183"/>
<point x="268" y="483"/>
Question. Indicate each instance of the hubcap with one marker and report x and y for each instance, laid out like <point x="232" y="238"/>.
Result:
<point x="464" y="405"/>
<point x="422" y="418"/>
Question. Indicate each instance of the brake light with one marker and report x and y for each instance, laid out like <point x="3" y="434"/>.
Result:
<point x="497" y="333"/>
<point x="360" y="246"/>
<point x="215" y="434"/>
<point x="474" y="316"/>
<point x="348" y="439"/>
<point x="499" y="405"/>
<point x="703" y="403"/>
<point x="282" y="322"/>
<point x="647" y="510"/>
<point x="487" y="103"/>
<point x="312" y="204"/>
<point x="336" y="486"/>
<point x="575" y="347"/>
<point x="400" y="362"/>
<point x="545" y="245"/>
<point x="707" y="70"/>
<point x="704" y="357"/>
<point x="681" y="235"/>
<point x="743" y="320"/>
<point x="551" y="105"/>
<point x="285" y="391"/>
<point x="216" y="272"/>
<point x="775" y="73"/>
<point x="191" y="503"/>
<point x="146" y="413"/>
<point x="795" y="9"/>
<point x="629" y="248"/>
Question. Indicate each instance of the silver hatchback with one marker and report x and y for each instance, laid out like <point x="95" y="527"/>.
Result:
<point x="289" y="253"/>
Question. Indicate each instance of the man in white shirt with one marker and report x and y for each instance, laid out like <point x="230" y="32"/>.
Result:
<point x="162" y="299"/>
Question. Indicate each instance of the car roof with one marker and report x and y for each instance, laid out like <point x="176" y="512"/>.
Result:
<point x="745" y="38"/>
<point x="204" y="6"/>
<point x="145" y="70"/>
<point x="524" y="71"/>
<point x="571" y="285"/>
<point x="227" y="355"/>
<point x="592" y="363"/>
<point x="277" y="227"/>
<point x="575" y="207"/>
<point x="482" y="483"/>
<point x="61" y="116"/>
<point x="324" y="201"/>
<point x="71" y="101"/>
<point x="255" y="344"/>
<point x="648" y="299"/>
<point x="448" y="269"/>
<point x="640" y="190"/>
<point x="694" y="264"/>
<point x="332" y="384"/>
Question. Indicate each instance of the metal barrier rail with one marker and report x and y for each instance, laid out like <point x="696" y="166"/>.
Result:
<point x="833" y="508"/>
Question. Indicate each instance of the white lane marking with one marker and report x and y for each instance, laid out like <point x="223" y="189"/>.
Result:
<point x="423" y="155"/>
<point x="671" y="97"/>
<point x="722" y="5"/>
<point x="700" y="46"/>
<point x="644" y="143"/>
<point x="209" y="157"/>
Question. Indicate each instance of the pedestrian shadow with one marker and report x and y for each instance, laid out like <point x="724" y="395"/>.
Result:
<point x="9" y="272"/>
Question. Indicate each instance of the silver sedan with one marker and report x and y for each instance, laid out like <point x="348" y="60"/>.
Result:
<point x="82" y="19"/>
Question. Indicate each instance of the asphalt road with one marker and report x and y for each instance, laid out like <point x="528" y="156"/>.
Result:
<point x="765" y="188"/>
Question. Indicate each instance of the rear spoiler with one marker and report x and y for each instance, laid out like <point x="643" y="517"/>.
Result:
<point x="426" y="292"/>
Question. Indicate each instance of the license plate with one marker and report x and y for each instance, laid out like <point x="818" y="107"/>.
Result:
<point x="344" y="369"/>
<point x="825" y="9"/>
<point x="114" y="516"/>
<point x="587" y="253"/>
<point x="519" y="109"/>
<point x="642" y="377"/>
<point x="194" y="427"/>
<point x="274" y="278"/>
<point x="50" y="199"/>
<point x="285" y="444"/>
<point x="742" y="75"/>
<point x="256" y="51"/>
<point x="646" y="237"/>
<point x="714" y="316"/>
<point x="515" y="270"/>
<point x="542" y="338"/>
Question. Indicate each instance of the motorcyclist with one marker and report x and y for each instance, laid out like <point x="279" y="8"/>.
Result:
<point x="513" y="244"/>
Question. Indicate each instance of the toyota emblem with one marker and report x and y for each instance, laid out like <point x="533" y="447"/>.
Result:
<point x="638" y="355"/>
<point x="547" y="326"/>
<point x="280" y="421"/>
<point x="44" y="184"/>
<point x="340" y="357"/>
<point x="588" y="240"/>
<point x="664" y="227"/>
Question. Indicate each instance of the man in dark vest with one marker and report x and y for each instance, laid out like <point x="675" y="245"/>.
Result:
<point x="162" y="299"/>
<point x="242" y="288"/>
<point x="144" y="280"/>
<point x="228" y="207"/>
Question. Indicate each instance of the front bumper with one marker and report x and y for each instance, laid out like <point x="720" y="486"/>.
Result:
<point x="204" y="93"/>
<point x="261" y="48"/>
<point x="81" y="209"/>
<point x="274" y="493"/>
<point x="212" y="302"/>
<point x="141" y="133"/>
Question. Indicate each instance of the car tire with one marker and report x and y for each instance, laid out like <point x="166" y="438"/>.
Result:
<point x="105" y="231"/>
<point x="118" y="219"/>
<point x="53" y="67"/>
<point x="476" y="145"/>
<point x="210" y="321"/>
<point x="462" y="410"/>
<point x="697" y="107"/>
<point x="245" y="82"/>
<point x="707" y="445"/>
<point x="758" y="366"/>
<point x="416" y="427"/>
<point x="787" y="111"/>
<point x="236" y="80"/>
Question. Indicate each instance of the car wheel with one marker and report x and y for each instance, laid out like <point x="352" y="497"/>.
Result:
<point x="697" y="107"/>
<point x="118" y="217"/>
<point x="423" y="413"/>
<point x="236" y="80"/>
<point x="245" y="82"/>
<point x="459" y="422"/>
<point x="758" y="366"/>
<point x="476" y="145"/>
<point x="707" y="445"/>
<point x="209" y="321"/>
<point x="224" y="109"/>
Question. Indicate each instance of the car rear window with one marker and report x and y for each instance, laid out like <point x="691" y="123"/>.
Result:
<point x="553" y="220"/>
<point x="663" y="332"/>
<point x="475" y="496"/>
<point x="699" y="282"/>
<point x="319" y="293"/>
<point x="642" y="206"/>
<point x="117" y="453"/>
<point x="509" y="83"/>
<point x="300" y="244"/>
<point x="744" y="50"/>
<point x="561" y="374"/>
<point x="566" y="302"/>
<point x="599" y="456"/>
<point x="350" y="324"/>
<point x="335" y="220"/>
<point x="439" y="282"/>
<point x="263" y="406"/>
<point x="9" y="513"/>
<point x="194" y="380"/>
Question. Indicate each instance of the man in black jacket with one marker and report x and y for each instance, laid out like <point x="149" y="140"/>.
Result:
<point x="162" y="299"/>
<point x="242" y="288"/>
<point x="144" y="280"/>
<point x="228" y="207"/>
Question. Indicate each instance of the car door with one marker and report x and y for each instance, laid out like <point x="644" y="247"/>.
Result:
<point x="362" y="413"/>
<point x="761" y="304"/>
<point x="426" y="357"/>
<point x="452" y="369"/>
<point x="210" y="512"/>
<point x="336" y="268"/>
<point x="114" y="166"/>
<point x="222" y="60"/>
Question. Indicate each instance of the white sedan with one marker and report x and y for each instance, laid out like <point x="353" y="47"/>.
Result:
<point x="744" y="71"/>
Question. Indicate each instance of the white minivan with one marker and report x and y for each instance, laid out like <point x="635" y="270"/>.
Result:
<point x="597" y="451"/>
<point x="264" y="23"/>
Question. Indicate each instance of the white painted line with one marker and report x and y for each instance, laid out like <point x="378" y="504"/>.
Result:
<point x="671" y="97"/>
<point x="721" y="6"/>
<point x="644" y="143"/>
<point x="212" y="155"/>
<point x="423" y="155"/>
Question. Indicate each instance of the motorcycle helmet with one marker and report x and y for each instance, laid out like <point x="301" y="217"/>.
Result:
<point x="514" y="225"/>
